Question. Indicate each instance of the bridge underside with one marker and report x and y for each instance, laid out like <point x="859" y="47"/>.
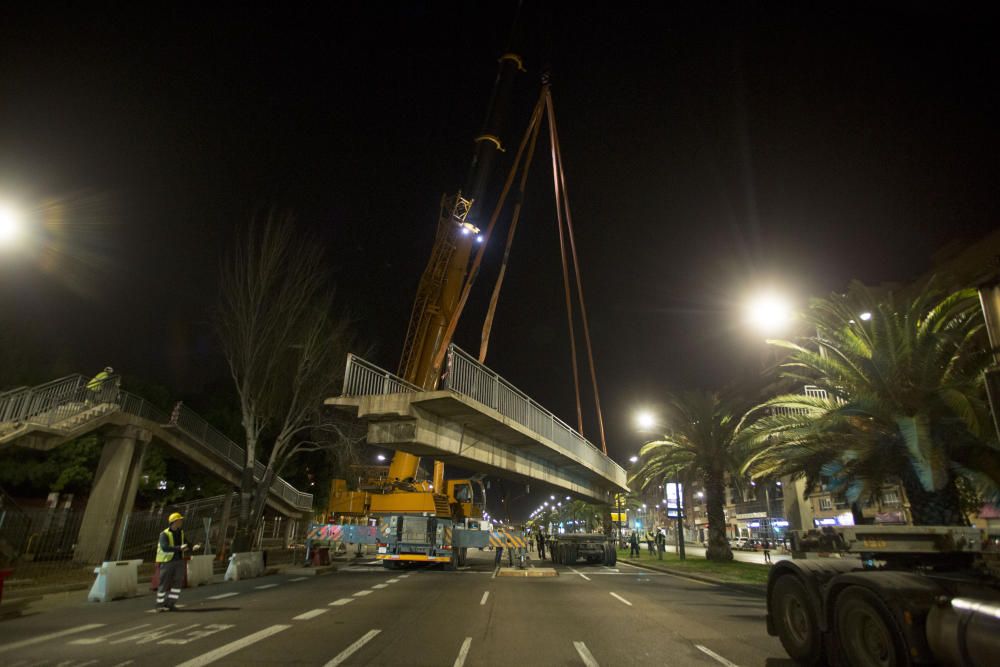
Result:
<point x="458" y="430"/>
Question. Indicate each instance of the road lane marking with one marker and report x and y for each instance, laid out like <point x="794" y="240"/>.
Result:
<point x="362" y="593"/>
<point x="232" y="647"/>
<point x="576" y="571"/>
<point x="463" y="652"/>
<point x="485" y="595"/>
<point x="709" y="652"/>
<point x="585" y="654"/>
<point x="615" y="595"/>
<point x="403" y="576"/>
<point x="153" y="635"/>
<point x="299" y="579"/>
<point x="194" y="635"/>
<point x="495" y="573"/>
<point x="380" y="586"/>
<point x="393" y="580"/>
<point x="221" y="596"/>
<point x="341" y="602"/>
<point x="51" y="635"/>
<point x="350" y="650"/>
<point x="98" y="640"/>
<point x="260" y="588"/>
<point x="123" y="664"/>
<point x="310" y="614"/>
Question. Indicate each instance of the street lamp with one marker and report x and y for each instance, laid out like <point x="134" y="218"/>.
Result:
<point x="768" y="312"/>
<point x="380" y="457"/>
<point x="11" y="225"/>
<point x="633" y="458"/>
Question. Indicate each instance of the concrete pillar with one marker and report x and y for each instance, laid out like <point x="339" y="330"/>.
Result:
<point x="798" y="510"/>
<point x="227" y="509"/>
<point x="112" y="493"/>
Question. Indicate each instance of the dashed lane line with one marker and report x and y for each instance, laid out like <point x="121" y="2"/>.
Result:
<point x="233" y="646"/>
<point x="363" y="593"/>
<point x="615" y="595"/>
<point x="265" y="586"/>
<point x="298" y="579"/>
<point x="52" y="635"/>
<point x="380" y="586"/>
<point x="576" y="571"/>
<point x="394" y="580"/>
<point x="712" y="654"/>
<point x="310" y="614"/>
<point x="585" y="654"/>
<point x="341" y="602"/>
<point x="352" y="649"/>
<point x="221" y="596"/>
<point x="485" y="595"/>
<point x="97" y="640"/>
<point x="463" y="652"/>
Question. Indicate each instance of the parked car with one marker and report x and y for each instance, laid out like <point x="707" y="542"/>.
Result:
<point x="753" y="545"/>
<point x="736" y="544"/>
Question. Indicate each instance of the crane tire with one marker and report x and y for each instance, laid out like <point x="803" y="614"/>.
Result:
<point x="795" y="620"/>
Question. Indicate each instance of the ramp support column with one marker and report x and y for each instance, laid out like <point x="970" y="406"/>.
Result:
<point x="112" y="493"/>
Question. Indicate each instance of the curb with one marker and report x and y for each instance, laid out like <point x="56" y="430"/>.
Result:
<point x="753" y="589"/>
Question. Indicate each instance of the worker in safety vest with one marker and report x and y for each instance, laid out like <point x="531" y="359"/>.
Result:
<point x="98" y="380"/>
<point x="171" y="550"/>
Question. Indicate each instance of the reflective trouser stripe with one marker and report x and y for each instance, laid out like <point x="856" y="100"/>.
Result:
<point x="171" y="575"/>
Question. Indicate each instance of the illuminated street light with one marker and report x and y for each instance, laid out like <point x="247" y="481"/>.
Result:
<point x="865" y="316"/>
<point x="769" y="312"/>
<point x="645" y="420"/>
<point x="11" y="225"/>
<point x="380" y="457"/>
<point x="552" y="497"/>
<point x="633" y="459"/>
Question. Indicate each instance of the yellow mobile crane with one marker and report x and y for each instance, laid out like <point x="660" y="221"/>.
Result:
<point x="433" y="520"/>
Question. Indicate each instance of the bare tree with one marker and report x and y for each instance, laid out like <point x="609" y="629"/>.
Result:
<point x="285" y="350"/>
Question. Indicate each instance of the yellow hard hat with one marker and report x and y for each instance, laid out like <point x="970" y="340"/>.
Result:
<point x="176" y="516"/>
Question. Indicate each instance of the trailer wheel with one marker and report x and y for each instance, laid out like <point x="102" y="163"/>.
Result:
<point x="610" y="555"/>
<point x="390" y="565"/>
<point x="462" y="556"/>
<point x="866" y="635"/>
<point x="795" y="620"/>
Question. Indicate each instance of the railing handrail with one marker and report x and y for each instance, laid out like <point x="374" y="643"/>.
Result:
<point x="67" y="397"/>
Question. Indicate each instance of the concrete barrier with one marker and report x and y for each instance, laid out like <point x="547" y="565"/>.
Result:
<point x="115" y="579"/>
<point x="245" y="565"/>
<point x="199" y="570"/>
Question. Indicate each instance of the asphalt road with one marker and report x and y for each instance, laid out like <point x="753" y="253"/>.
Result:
<point x="363" y="615"/>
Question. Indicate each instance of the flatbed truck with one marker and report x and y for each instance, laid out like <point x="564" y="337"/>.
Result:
<point x="568" y="548"/>
<point x="888" y="595"/>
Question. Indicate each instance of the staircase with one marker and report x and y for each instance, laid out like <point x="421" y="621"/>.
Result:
<point x="72" y="405"/>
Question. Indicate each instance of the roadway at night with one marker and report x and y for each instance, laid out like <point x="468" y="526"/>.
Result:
<point x="364" y="615"/>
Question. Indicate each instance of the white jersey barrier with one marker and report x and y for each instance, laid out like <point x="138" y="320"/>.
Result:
<point x="115" y="579"/>
<point x="199" y="570"/>
<point x="245" y="565"/>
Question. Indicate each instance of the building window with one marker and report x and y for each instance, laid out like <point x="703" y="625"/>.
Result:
<point x="890" y="497"/>
<point x="825" y="503"/>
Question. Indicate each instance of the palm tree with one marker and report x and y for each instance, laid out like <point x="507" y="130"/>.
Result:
<point x="701" y="445"/>
<point x="904" y="400"/>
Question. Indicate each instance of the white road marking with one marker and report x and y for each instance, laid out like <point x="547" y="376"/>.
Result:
<point x="713" y="654"/>
<point x="153" y="635"/>
<point x="51" y="635"/>
<point x="615" y="595"/>
<point x="209" y="629"/>
<point x="403" y="576"/>
<point x="362" y="593"/>
<point x="98" y="640"/>
<point x="341" y="602"/>
<point x="350" y="650"/>
<point x="463" y="652"/>
<point x="260" y="588"/>
<point x="393" y="581"/>
<point x="485" y="595"/>
<point x="576" y="571"/>
<point x="310" y="614"/>
<point x="495" y="573"/>
<point x="232" y="647"/>
<point x="585" y="654"/>
<point x="221" y="596"/>
<point x="123" y="664"/>
<point x="380" y="586"/>
<point x="299" y="579"/>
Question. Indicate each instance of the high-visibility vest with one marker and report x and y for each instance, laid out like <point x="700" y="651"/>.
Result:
<point x="97" y="381"/>
<point x="167" y="556"/>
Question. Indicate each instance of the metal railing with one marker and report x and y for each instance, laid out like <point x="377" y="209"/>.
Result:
<point x="468" y="377"/>
<point x="70" y="402"/>
<point x="362" y="378"/>
<point x="465" y="375"/>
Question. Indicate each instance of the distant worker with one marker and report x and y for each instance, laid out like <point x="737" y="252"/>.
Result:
<point x="650" y="540"/>
<point x="633" y="541"/>
<point x="499" y="556"/>
<point x="767" y="551"/>
<point x="97" y="382"/>
<point x="661" y="543"/>
<point x="170" y="551"/>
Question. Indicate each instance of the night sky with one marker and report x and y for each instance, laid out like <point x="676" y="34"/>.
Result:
<point x="708" y="150"/>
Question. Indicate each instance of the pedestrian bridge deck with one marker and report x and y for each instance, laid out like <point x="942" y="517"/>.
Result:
<point x="478" y="421"/>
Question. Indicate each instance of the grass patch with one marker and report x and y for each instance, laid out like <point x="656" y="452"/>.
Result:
<point x="733" y="571"/>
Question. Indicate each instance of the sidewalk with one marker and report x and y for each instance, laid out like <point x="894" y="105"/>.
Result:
<point x="746" y="577"/>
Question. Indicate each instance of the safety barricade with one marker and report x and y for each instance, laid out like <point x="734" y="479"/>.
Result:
<point x="115" y="579"/>
<point x="199" y="570"/>
<point x="245" y="565"/>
